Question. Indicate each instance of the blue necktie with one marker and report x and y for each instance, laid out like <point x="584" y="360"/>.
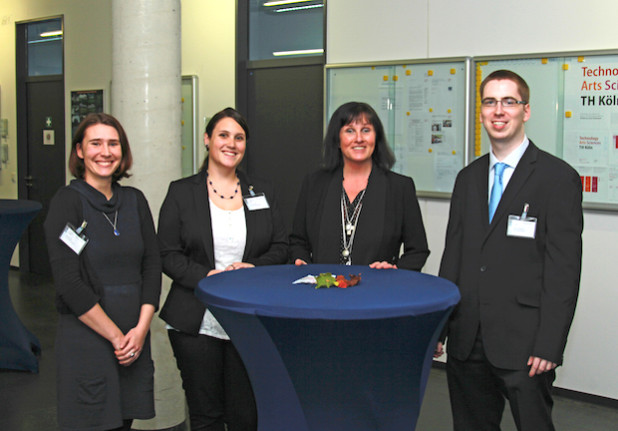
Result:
<point x="496" y="189"/>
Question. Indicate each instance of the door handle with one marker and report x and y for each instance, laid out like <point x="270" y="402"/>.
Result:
<point x="29" y="180"/>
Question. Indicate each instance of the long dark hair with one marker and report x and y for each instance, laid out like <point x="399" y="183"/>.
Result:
<point x="225" y="113"/>
<point x="348" y="113"/>
<point x="77" y="166"/>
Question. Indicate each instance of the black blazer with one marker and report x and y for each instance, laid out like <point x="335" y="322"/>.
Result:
<point x="185" y="239"/>
<point x="390" y="217"/>
<point x="522" y="292"/>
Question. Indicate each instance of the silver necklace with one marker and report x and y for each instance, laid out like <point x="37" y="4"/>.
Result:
<point x="114" y="223"/>
<point x="348" y="225"/>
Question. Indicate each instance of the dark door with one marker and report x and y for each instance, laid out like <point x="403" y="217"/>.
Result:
<point x="41" y="142"/>
<point x="285" y="115"/>
<point x="46" y="160"/>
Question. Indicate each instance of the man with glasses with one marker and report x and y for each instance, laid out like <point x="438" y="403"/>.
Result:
<point x="513" y="246"/>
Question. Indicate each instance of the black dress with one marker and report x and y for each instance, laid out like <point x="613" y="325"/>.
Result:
<point x="120" y="272"/>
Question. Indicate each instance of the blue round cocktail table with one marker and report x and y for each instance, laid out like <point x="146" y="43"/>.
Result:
<point x="18" y="346"/>
<point x="335" y="359"/>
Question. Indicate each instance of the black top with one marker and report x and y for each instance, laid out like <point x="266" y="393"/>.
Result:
<point x="107" y="259"/>
<point x="390" y="217"/>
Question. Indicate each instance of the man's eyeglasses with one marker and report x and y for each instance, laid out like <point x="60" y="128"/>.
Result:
<point x="507" y="102"/>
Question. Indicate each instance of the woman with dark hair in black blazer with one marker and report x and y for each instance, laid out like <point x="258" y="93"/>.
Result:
<point x="355" y="210"/>
<point x="205" y="229"/>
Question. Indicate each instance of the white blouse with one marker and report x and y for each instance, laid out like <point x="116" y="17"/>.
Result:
<point x="229" y="235"/>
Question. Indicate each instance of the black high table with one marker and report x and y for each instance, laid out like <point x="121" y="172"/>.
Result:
<point x="18" y="346"/>
<point x="353" y="359"/>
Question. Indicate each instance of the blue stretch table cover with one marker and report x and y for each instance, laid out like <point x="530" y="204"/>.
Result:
<point x="333" y="359"/>
<point x="18" y="346"/>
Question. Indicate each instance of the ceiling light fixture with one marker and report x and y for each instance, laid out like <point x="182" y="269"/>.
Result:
<point x="51" y="33"/>
<point x="290" y="9"/>
<point x="284" y="2"/>
<point x="298" y="52"/>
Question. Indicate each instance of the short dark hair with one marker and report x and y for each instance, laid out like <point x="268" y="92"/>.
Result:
<point x="498" y="75"/>
<point x="77" y="166"/>
<point x="348" y="113"/>
<point x="225" y="113"/>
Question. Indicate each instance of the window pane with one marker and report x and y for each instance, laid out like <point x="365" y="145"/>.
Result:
<point x="277" y="28"/>
<point x="44" y="40"/>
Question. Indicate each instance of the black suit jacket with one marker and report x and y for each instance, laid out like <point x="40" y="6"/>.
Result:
<point x="185" y="239"/>
<point x="522" y="292"/>
<point x="389" y="218"/>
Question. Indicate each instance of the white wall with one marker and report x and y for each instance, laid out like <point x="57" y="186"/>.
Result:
<point x="367" y="30"/>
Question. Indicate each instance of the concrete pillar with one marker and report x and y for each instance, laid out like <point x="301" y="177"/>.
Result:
<point x="146" y="84"/>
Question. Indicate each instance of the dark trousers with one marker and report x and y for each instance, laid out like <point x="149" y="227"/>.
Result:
<point x="216" y="383"/>
<point x="478" y="390"/>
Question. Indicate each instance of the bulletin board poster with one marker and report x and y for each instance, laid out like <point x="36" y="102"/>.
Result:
<point x="574" y="115"/>
<point x="591" y="124"/>
<point x="423" y="109"/>
<point x="83" y="103"/>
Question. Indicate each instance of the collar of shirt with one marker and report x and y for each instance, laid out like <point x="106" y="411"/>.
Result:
<point x="511" y="160"/>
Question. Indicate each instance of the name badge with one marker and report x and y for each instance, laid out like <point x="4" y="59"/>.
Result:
<point x="74" y="238"/>
<point x="256" y="202"/>
<point x="522" y="226"/>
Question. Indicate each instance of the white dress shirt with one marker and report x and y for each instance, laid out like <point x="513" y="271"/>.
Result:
<point x="511" y="161"/>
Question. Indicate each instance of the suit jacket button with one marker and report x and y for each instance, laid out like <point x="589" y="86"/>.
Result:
<point x="483" y="268"/>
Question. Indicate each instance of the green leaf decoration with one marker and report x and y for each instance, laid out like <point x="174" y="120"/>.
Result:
<point x="325" y="279"/>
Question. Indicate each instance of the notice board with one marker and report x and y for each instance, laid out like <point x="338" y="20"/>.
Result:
<point x="424" y="106"/>
<point x="574" y="115"/>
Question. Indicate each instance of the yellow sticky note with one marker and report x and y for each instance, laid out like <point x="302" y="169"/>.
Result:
<point x="430" y="73"/>
<point x="544" y="61"/>
<point x="385" y="78"/>
<point x="408" y="113"/>
<point x="580" y="59"/>
<point x="565" y="66"/>
<point x="454" y="152"/>
<point x="373" y="68"/>
<point x="430" y="109"/>
<point x="453" y="71"/>
<point x="408" y="72"/>
<point x="430" y="150"/>
<point x="449" y="111"/>
<point x="395" y="78"/>
<point x="568" y="114"/>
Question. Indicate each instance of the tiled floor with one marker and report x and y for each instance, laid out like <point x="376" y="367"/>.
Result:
<point x="27" y="401"/>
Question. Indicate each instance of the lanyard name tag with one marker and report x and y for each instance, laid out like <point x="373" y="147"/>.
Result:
<point x="73" y="239"/>
<point x="256" y="202"/>
<point x="521" y="228"/>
